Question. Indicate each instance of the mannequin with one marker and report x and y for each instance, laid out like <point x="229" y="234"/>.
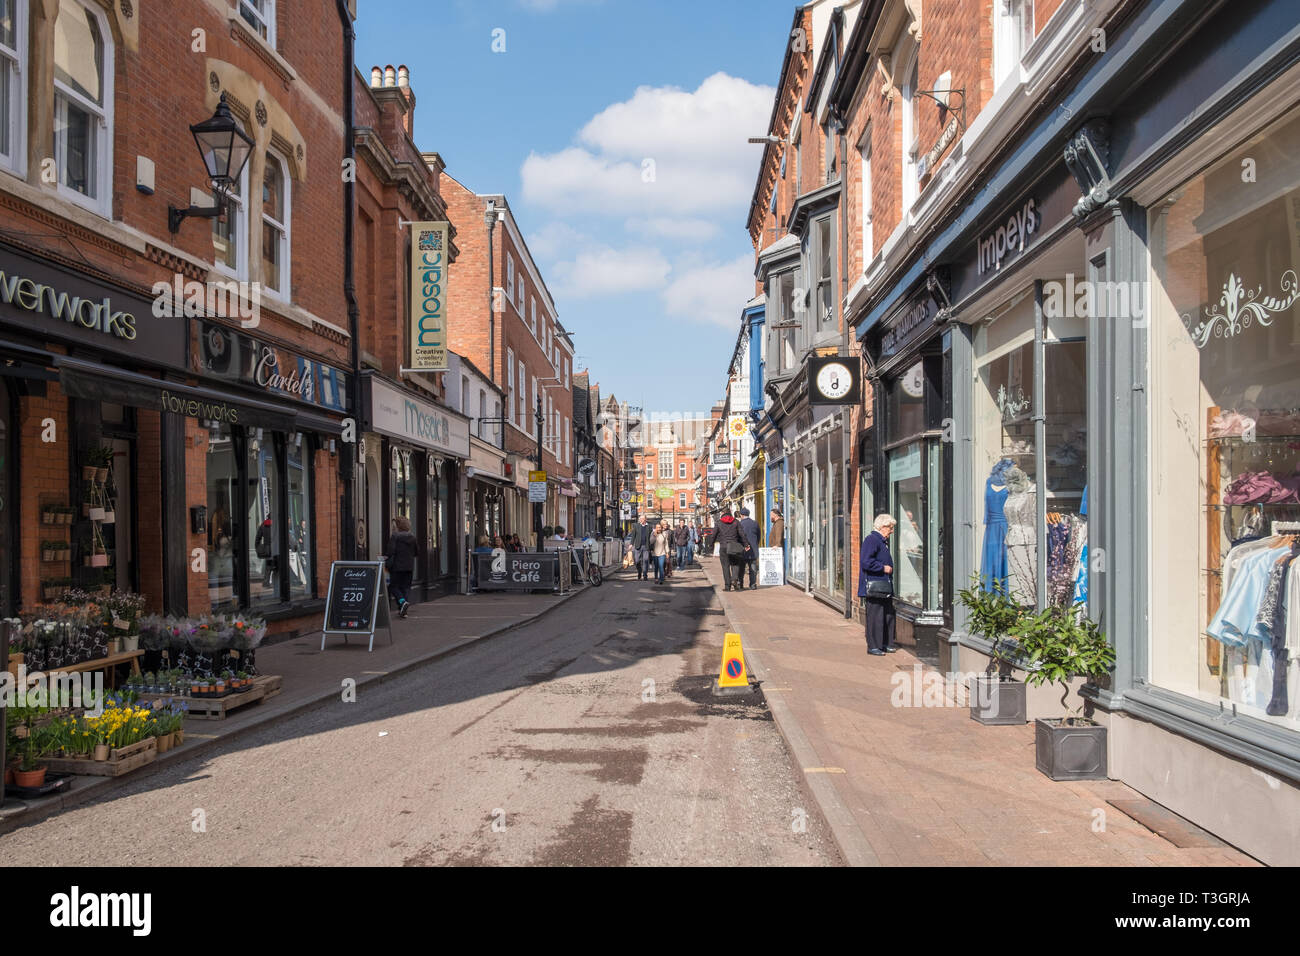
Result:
<point x="993" y="561"/>
<point x="1022" y="538"/>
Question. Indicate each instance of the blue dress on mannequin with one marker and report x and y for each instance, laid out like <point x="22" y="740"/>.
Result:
<point x="993" y="562"/>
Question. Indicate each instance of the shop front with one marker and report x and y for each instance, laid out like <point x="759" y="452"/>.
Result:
<point x="814" y="493"/>
<point x="414" y="458"/>
<point x="907" y="471"/>
<point x="486" y="491"/>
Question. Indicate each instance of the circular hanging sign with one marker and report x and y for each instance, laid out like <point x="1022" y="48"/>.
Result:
<point x="736" y="427"/>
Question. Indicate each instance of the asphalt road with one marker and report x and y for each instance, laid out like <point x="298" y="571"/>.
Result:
<point x="586" y="738"/>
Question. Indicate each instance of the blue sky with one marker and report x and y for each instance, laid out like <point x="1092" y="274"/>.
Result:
<point x="617" y="131"/>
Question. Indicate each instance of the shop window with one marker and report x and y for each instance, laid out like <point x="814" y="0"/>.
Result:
<point x="83" y="70"/>
<point x="260" y="16"/>
<point x="265" y="519"/>
<point x="1225" y="432"/>
<point x="230" y="232"/>
<point x="13" y="70"/>
<point x="301" y="546"/>
<point x="907" y="403"/>
<point x="907" y="493"/>
<point x="224" y="527"/>
<point x="275" y="226"/>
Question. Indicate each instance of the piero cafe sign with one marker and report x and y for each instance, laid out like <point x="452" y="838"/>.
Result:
<point x="430" y="245"/>
<point x="51" y="302"/>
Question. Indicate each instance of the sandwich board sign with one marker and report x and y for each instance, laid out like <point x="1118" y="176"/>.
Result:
<point x="356" y="603"/>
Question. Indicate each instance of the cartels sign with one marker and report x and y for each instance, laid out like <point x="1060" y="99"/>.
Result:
<point x="430" y="248"/>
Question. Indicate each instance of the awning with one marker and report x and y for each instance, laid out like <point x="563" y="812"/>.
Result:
<point x="83" y="379"/>
<point x="479" y="474"/>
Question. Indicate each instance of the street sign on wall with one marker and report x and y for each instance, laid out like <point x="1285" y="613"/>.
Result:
<point x="537" y="487"/>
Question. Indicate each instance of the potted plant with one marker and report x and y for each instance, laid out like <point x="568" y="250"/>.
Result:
<point x="1060" y="644"/>
<point x="995" y="698"/>
<point x="102" y="458"/>
<point x="36" y="744"/>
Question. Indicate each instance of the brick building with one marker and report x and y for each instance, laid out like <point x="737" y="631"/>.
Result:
<point x="515" y="335"/>
<point x="665" y="464"/>
<point x="180" y="388"/>
<point x="410" y="465"/>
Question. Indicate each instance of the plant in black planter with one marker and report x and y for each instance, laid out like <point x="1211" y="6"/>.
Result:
<point x="991" y="613"/>
<point x="1060" y="644"/>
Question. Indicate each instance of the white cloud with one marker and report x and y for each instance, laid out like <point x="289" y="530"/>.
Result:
<point x="546" y="6"/>
<point x="664" y="152"/>
<point x="601" y="270"/>
<point x="554" y="241"/>
<point x="683" y="230"/>
<point x="712" y="293"/>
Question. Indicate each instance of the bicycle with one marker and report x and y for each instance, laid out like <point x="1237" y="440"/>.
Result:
<point x="586" y="569"/>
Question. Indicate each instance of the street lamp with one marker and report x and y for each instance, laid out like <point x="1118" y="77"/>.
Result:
<point x="225" y="148"/>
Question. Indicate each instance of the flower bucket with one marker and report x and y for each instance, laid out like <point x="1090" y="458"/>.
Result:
<point x="88" y="472"/>
<point x="101" y="751"/>
<point x="96" y="514"/>
<point x="101" y="475"/>
<point x="131" y="643"/>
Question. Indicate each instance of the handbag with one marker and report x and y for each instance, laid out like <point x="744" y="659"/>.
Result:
<point x="879" y="588"/>
<point x="734" y="549"/>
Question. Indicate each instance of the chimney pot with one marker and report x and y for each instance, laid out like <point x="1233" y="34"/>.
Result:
<point x="376" y="76"/>
<point x="403" y="76"/>
<point x="390" y="76"/>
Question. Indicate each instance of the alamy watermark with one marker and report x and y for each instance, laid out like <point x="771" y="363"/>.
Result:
<point x="81" y="690"/>
<point x="227" y="298"/>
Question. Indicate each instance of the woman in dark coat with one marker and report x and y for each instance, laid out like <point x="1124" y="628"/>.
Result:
<point x="877" y="564"/>
<point x="403" y="546"/>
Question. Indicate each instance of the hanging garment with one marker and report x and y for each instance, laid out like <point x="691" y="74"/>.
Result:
<point x="1022" y="546"/>
<point x="1060" y="570"/>
<point x="993" y="561"/>
<point x="1278" y="704"/>
<point x="1237" y="613"/>
<point x="1079" y="537"/>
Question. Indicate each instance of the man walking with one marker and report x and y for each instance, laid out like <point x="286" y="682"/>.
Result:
<point x="693" y="543"/>
<point x="753" y="539"/>
<point x="682" y="539"/>
<point x="641" y="543"/>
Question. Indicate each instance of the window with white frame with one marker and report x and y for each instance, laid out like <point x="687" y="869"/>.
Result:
<point x="523" y="396"/>
<point x="482" y="410"/>
<point x="649" y="471"/>
<point x="868" y="240"/>
<point x="534" y="315"/>
<point x="510" y="377"/>
<point x="519" y="296"/>
<point x="230" y="231"/>
<point x="13" y="70"/>
<point x="510" y="278"/>
<point x="909" y="134"/>
<point x="260" y="15"/>
<point x="565" y="435"/>
<point x="464" y="394"/>
<point x="666" y="465"/>
<point x="83" y="79"/>
<point x="681" y="471"/>
<point x="681" y="500"/>
<point x="1013" y="31"/>
<point x="566" y="373"/>
<point x="275" y="225"/>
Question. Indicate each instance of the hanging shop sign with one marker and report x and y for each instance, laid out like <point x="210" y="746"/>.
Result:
<point x="233" y="356"/>
<point x="56" y="303"/>
<point x="833" y="380"/>
<point x="403" y="415"/>
<point x="737" y="427"/>
<point x="430" y="245"/>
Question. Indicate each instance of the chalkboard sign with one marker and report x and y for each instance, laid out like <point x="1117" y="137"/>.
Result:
<point x="356" y="603"/>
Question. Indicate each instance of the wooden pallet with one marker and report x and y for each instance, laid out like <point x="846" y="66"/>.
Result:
<point x="216" y="708"/>
<point x="121" y="760"/>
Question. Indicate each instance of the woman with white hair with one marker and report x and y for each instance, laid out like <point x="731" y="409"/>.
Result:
<point x="876" y="587"/>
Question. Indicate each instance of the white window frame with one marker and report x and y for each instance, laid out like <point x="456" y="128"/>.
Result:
<point x="534" y="315"/>
<point x="1013" y="32"/>
<point x="519" y="296"/>
<point x="911" y="181"/>
<point x="286" y="231"/>
<point x="510" y="278"/>
<point x="510" y="382"/>
<point x="15" y="60"/>
<point x="681" y="499"/>
<point x="103" y="203"/>
<point x="681" y="471"/>
<point x="482" y="410"/>
<point x="265" y="17"/>
<point x="649" y="470"/>
<point x="237" y="207"/>
<point x="523" y="395"/>
<point x="566" y="374"/>
<point x="868" y="237"/>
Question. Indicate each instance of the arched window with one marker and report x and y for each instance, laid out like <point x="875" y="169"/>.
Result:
<point x="275" y="226"/>
<point x="83" y="98"/>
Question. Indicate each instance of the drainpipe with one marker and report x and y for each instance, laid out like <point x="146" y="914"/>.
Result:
<point x="492" y="318"/>
<point x="348" y="460"/>
<point x="847" y="413"/>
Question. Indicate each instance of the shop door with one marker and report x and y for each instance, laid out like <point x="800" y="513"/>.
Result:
<point x="7" y="511"/>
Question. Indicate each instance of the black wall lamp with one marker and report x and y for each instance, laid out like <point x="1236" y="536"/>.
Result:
<point x="225" y="149"/>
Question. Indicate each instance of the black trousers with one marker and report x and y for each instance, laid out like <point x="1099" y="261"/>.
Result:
<point x="880" y="623"/>
<point x="732" y="570"/>
<point x="399" y="585"/>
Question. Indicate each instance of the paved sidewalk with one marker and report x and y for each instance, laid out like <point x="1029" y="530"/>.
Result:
<point x="923" y="786"/>
<point x="430" y="630"/>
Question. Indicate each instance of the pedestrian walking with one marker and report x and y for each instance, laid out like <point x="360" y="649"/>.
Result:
<point x="640" y="545"/>
<point x="753" y="538"/>
<point x="876" y="587"/>
<point x="731" y="549"/>
<point x="693" y="543"/>
<point x="402" y="548"/>
<point x="659" y="549"/>
<point x="682" y="539"/>
<point x="776" y="531"/>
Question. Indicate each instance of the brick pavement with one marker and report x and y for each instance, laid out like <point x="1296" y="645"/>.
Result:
<point x="925" y="786"/>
